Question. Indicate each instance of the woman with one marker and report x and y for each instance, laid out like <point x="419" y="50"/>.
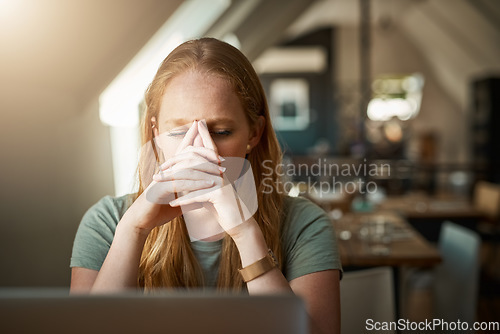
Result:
<point x="206" y="107"/>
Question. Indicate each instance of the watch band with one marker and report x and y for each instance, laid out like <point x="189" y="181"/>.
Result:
<point x="259" y="268"/>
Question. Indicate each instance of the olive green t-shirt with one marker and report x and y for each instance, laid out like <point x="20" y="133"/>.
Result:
<point x="308" y="239"/>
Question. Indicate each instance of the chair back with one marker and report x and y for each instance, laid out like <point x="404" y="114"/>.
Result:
<point x="487" y="199"/>
<point x="457" y="277"/>
<point x="366" y="295"/>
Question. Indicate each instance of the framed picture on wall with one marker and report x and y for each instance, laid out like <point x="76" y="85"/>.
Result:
<point x="289" y="104"/>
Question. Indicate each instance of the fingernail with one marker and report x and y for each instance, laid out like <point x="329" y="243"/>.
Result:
<point x="173" y="203"/>
<point x="221" y="158"/>
<point x="156" y="177"/>
<point x="222" y="169"/>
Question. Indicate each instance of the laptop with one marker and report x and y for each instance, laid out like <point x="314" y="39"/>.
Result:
<point x="55" y="311"/>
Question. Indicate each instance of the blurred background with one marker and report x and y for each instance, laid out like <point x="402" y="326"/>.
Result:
<point x="410" y="84"/>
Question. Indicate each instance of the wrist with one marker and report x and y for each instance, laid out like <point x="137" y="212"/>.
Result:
<point x="143" y="215"/>
<point x="246" y="233"/>
<point x="128" y="226"/>
<point x="259" y="268"/>
<point x="250" y="243"/>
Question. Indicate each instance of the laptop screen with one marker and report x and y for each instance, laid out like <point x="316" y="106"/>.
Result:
<point x="49" y="311"/>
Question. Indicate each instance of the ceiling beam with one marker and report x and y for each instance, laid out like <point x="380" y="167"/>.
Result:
<point x="267" y="23"/>
<point x="232" y="18"/>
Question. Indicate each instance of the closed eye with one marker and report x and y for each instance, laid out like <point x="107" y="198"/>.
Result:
<point x="177" y="133"/>
<point x="220" y="133"/>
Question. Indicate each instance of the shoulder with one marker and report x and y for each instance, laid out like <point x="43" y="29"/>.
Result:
<point x="106" y="213"/>
<point x="304" y="221"/>
<point x="296" y="204"/>
<point x="308" y="239"/>
<point x="96" y="231"/>
<point x="117" y="205"/>
<point x="111" y="206"/>
<point x="300" y="212"/>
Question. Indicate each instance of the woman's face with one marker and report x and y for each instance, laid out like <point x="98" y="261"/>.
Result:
<point x="193" y="96"/>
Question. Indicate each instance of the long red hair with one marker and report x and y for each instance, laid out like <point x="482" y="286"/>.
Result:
<point x="167" y="258"/>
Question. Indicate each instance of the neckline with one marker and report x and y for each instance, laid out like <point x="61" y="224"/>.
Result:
<point x="207" y="245"/>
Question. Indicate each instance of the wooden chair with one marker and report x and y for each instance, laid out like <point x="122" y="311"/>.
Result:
<point x="486" y="200"/>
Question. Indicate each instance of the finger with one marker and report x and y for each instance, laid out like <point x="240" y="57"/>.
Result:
<point x="189" y="137"/>
<point x="193" y="153"/>
<point x="193" y="165"/>
<point x="191" y="174"/>
<point x="156" y="194"/>
<point x="205" y="195"/>
<point x="205" y="136"/>
<point x="162" y="192"/>
<point x="198" y="196"/>
<point x="191" y="161"/>
<point x="177" y="186"/>
<point x="206" y="152"/>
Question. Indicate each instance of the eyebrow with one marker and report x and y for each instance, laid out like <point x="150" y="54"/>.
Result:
<point x="212" y="121"/>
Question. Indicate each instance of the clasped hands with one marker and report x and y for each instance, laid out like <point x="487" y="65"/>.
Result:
<point x="215" y="194"/>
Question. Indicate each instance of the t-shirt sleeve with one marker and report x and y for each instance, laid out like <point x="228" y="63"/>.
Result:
<point x="309" y="240"/>
<point x="95" y="233"/>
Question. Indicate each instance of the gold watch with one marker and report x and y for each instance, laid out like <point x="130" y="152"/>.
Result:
<point x="259" y="268"/>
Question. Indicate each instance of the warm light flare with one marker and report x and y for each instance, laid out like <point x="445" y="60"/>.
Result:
<point x="384" y="110"/>
<point x="396" y="97"/>
<point x="9" y="9"/>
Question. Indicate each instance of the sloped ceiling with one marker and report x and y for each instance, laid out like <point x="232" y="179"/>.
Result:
<point x="460" y="40"/>
<point x="78" y="47"/>
<point x="74" y="47"/>
<point x="258" y="24"/>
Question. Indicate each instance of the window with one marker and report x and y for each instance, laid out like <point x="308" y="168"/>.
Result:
<point x="120" y="101"/>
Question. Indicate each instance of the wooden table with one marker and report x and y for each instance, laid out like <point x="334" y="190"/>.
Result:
<point x="427" y="213"/>
<point x="407" y="248"/>
<point x="431" y="207"/>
